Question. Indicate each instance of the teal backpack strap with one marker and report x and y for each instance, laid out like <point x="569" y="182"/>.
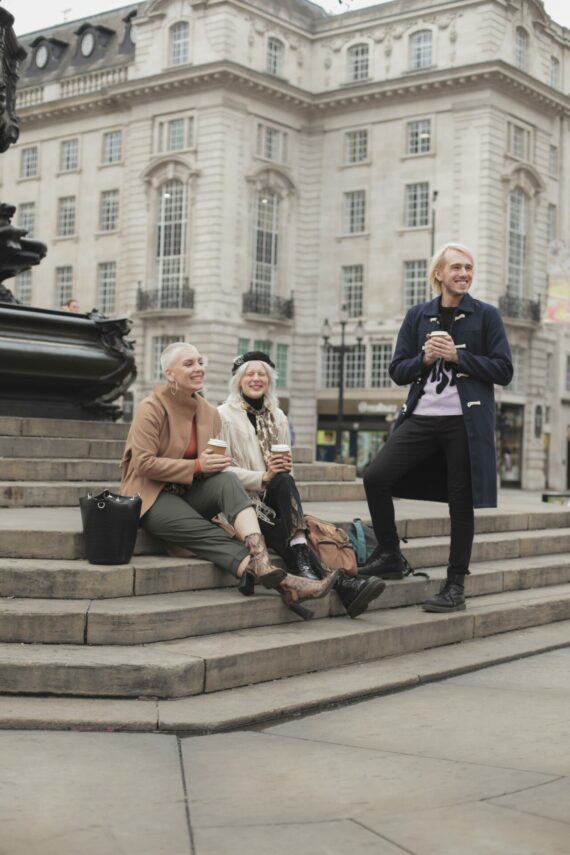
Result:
<point x="358" y="541"/>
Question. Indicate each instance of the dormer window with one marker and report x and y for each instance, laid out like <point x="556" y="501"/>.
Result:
<point x="87" y="45"/>
<point x="41" y="57"/>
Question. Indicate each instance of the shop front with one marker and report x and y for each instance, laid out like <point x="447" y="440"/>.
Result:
<point x="510" y="425"/>
<point x="364" y="432"/>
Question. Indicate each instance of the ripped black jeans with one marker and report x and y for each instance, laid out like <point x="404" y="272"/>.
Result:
<point x="417" y="438"/>
<point x="282" y="495"/>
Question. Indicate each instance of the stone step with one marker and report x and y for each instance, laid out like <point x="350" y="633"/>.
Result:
<point x="23" y="469"/>
<point x="217" y="662"/>
<point x="51" y="494"/>
<point x="61" y="447"/>
<point x="14" y="426"/>
<point x="129" y="620"/>
<point x="271" y="701"/>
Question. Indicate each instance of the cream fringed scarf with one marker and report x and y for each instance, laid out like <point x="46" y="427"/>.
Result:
<point x="265" y="428"/>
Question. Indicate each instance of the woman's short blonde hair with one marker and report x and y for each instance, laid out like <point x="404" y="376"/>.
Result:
<point x="271" y="399"/>
<point x="171" y="353"/>
<point x="438" y="259"/>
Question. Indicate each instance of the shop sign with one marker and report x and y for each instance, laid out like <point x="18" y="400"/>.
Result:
<point x="380" y="407"/>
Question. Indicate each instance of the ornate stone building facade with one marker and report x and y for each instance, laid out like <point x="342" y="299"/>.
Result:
<point x="232" y="172"/>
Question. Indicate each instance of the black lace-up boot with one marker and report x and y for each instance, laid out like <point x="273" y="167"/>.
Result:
<point x="387" y="564"/>
<point x="356" y="593"/>
<point x="451" y="597"/>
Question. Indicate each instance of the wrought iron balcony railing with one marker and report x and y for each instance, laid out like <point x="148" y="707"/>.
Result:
<point x="265" y="304"/>
<point x="165" y="298"/>
<point x="520" y="309"/>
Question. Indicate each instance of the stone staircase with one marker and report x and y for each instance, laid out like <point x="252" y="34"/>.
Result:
<point x="166" y="643"/>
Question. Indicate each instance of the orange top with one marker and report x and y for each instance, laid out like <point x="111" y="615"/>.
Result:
<point x="191" y="452"/>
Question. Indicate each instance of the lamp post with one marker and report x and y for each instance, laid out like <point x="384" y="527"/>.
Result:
<point x="341" y="349"/>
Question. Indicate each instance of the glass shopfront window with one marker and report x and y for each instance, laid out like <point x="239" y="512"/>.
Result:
<point x="510" y="423"/>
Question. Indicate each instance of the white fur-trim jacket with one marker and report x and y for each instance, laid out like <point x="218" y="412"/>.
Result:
<point x="243" y="445"/>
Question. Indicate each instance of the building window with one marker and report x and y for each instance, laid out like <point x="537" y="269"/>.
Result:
<point x="23" y="287"/>
<point x="421" y="49"/>
<point x="518" y="141"/>
<point x="27" y="218"/>
<point x="66" y="216"/>
<point x="356" y="146"/>
<point x="282" y="365"/>
<point x="568" y="373"/>
<point x="330" y="368"/>
<point x="171" y="242"/>
<point x="417" y="205"/>
<point x="179" y="43"/>
<point x="354" y="212"/>
<point x="548" y="376"/>
<point x="175" y="134"/>
<point x="517" y="243"/>
<point x="29" y="162"/>
<point x="553" y="161"/>
<point x="352" y="289"/>
<point x="358" y="63"/>
<point x="109" y="211"/>
<point x="274" y="58"/>
<point x="355" y="376"/>
<point x="551" y="223"/>
<point x="159" y="343"/>
<point x="518" y="382"/>
<point x="554" y="73"/>
<point x="418" y="137"/>
<point x="263" y="344"/>
<point x="381" y="358"/>
<point x="63" y="285"/>
<point x="416" y="286"/>
<point x="112" y="147"/>
<point x="106" y="286"/>
<point x="271" y="143"/>
<point x="265" y="248"/>
<point x="521" y="49"/>
<point x="69" y="155"/>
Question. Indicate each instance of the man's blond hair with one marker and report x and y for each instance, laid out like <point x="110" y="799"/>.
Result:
<point x="438" y="259"/>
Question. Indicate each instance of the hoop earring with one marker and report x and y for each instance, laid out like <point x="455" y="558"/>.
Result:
<point x="173" y="388"/>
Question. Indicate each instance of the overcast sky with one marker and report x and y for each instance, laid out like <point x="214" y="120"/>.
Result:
<point x="34" y="14"/>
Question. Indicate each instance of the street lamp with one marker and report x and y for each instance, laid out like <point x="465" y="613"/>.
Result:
<point x="341" y="349"/>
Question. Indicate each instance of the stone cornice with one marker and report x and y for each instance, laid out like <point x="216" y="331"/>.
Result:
<point x="495" y="74"/>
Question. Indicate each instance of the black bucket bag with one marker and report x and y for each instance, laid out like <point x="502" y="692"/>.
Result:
<point x="110" y="525"/>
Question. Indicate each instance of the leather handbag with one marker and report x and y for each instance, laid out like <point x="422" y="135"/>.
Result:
<point x="110" y="524"/>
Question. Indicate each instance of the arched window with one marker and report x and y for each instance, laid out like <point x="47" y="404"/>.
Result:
<point x="171" y="243"/>
<point x="517" y="248"/>
<point x="421" y="49"/>
<point x="265" y="249"/>
<point x="178" y="50"/>
<point x="358" y="63"/>
<point x="274" y="59"/>
<point x="521" y="49"/>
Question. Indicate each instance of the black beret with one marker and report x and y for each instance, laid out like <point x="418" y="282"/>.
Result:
<point x="251" y="356"/>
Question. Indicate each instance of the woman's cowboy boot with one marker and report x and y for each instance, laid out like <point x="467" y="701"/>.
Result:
<point x="294" y="590"/>
<point x="260" y="566"/>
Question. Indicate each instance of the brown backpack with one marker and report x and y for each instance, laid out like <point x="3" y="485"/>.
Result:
<point x="331" y="545"/>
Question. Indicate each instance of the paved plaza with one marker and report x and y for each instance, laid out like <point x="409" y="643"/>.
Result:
<point x="473" y="765"/>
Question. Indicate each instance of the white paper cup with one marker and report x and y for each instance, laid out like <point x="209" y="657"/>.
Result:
<point x="278" y="449"/>
<point x="437" y="333"/>
<point x="218" y="446"/>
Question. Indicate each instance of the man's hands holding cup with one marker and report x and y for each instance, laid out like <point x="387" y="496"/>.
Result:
<point x="439" y="345"/>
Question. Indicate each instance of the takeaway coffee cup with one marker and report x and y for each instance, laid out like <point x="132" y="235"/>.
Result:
<point x="218" y="446"/>
<point x="278" y="449"/>
<point x="437" y="333"/>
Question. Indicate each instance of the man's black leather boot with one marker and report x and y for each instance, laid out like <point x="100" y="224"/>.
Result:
<point x="356" y="594"/>
<point x="387" y="564"/>
<point x="451" y="597"/>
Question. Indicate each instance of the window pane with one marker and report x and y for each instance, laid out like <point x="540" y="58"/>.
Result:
<point x="23" y="287"/>
<point x="329" y="368"/>
<point x="416" y="288"/>
<point x="352" y="289"/>
<point x="29" y="162"/>
<point x="171" y="242"/>
<point x="275" y="51"/>
<point x="354" y="212"/>
<point x="159" y="342"/>
<point x="265" y="249"/>
<point x="27" y="217"/>
<point x="63" y="285"/>
<point x="356" y="146"/>
<point x="358" y="63"/>
<point x="355" y="367"/>
<point x="106" y="284"/>
<point x="66" y="216"/>
<point x="179" y="38"/>
<point x="554" y="73"/>
<point x="69" y="155"/>
<point x="112" y="147"/>
<point x="282" y="365"/>
<point x="419" y="137"/>
<point x="521" y="49"/>
<point x="517" y="243"/>
<point x="417" y="205"/>
<point x="421" y="49"/>
<point x="381" y="358"/>
<point x="109" y="211"/>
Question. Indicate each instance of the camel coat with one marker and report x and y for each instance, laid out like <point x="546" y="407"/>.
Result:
<point x="243" y="445"/>
<point x="157" y="440"/>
